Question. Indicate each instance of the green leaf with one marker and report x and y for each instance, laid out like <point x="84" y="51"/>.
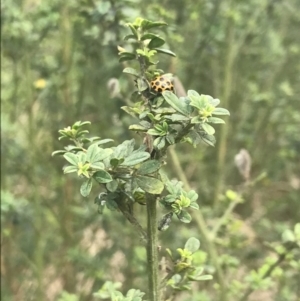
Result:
<point x="86" y="187"/>
<point x="71" y="158"/>
<point x="70" y="148"/>
<point x="196" y="119"/>
<point x="215" y="120"/>
<point x="58" y="152"/>
<point x="176" y="103"/>
<point x="81" y="157"/>
<point x="178" y="117"/>
<point x="79" y="124"/>
<point x="136" y="158"/>
<point x="155" y="132"/>
<point x="111" y="204"/>
<point x="103" y="141"/>
<point x="149" y="167"/>
<point x="124" y="149"/>
<point x="165" y="111"/>
<point x="92" y="153"/>
<point x="146" y="24"/>
<point x="115" y="162"/>
<point x="192" y="195"/>
<point x="220" y="111"/>
<point x="288" y="235"/>
<point x="156" y="42"/>
<point x="198" y="101"/>
<point x="102" y="176"/>
<point x="112" y="186"/>
<point x="208" y="128"/>
<point x="209" y="139"/>
<point x="203" y="277"/>
<point x="131" y="71"/>
<point x="133" y="30"/>
<point x="170" y="138"/>
<point x="69" y="169"/>
<point x="97" y="165"/>
<point x="126" y="56"/>
<point x="129" y="111"/>
<point x="165" y="51"/>
<point x="193" y="138"/>
<point x="184" y="217"/>
<point x="214" y="101"/>
<point x="142" y="84"/>
<point x="151" y="185"/>
<point x="194" y="205"/>
<point x="193" y="245"/>
<point x="82" y="133"/>
<point x="129" y="36"/>
<point x="102" y="154"/>
<point x="149" y="36"/>
<point x="169" y="199"/>
<point x="137" y="128"/>
<point x="159" y="142"/>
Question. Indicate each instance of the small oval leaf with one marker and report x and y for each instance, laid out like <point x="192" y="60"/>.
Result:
<point x="208" y="128"/>
<point x="112" y="186"/>
<point x="149" y="167"/>
<point x="72" y="158"/>
<point x="146" y="24"/>
<point x="92" y="152"/>
<point x="193" y="245"/>
<point x="156" y="42"/>
<point x="137" y="128"/>
<point x="184" y="217"/>
<point x="176" y="103"/>
<point x="102" y="176"/>
<point x="165" y="51"/>
<point x="69" y="169"/>
<point x="58" y="152"/>
<point x="136" y="158"/>
<point x="151" y="185"/>
<point x="215" y="120"/>
<point x="86" y="187"/>
<point x="131" y="71"/>
<point x="220" y="111"/>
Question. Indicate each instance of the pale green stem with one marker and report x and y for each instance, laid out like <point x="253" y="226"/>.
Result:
<point x="152" y="256"/>
<point x="227" y="87"/>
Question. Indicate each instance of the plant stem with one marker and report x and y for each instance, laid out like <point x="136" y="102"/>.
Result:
<point x="227" y="87"/>
<point x="152" y="257"/>
<point x="177" y="166"/>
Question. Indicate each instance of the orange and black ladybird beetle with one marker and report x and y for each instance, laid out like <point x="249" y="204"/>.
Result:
<point x="162" y="83"/>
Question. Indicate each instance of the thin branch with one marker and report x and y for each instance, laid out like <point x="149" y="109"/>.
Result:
<point x="152" y="256"/>
<point x="279" y="260"/>
<point x="224" y="217"/>
<point x="133" y="221"/>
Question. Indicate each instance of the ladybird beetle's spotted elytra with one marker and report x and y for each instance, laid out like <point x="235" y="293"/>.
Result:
<point x="161" y="84"/>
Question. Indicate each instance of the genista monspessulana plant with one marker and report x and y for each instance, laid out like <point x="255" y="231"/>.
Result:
<point x="131" y="174"/>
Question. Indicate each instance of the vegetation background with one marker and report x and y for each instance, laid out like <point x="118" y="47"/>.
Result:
<point x="59" y="65"/>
